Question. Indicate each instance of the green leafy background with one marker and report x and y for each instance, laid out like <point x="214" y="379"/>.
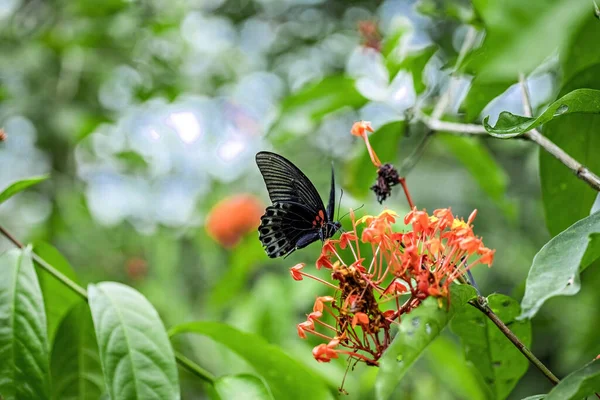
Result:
<point x="135" y="119"/>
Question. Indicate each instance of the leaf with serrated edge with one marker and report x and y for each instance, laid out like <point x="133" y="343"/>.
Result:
<point x="135" y="352"/>
<point x="494" y="356"/>
<point x="75" y="362"/>
<point x="286" y="378"/>
<point x="556" y="267"/>
<point x="24" y="358"/>
<point x="417" y="329"/>
<point x="586" y="101"/>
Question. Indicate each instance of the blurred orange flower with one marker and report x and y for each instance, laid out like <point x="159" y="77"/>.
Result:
<point x="233" y="217"/>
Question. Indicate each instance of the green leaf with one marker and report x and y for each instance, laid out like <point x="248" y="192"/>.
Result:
<point x="566" y="198"/>
<point x="414" y="63"/>
<point x="75" y="363"/>
<point x="462" y="378"/>
<point x="24" y="359"/>
<point x="19" y="186"/>
<point x="482" y="166"/>
<point x="135" y="352"/>
<point x="58" y="299"/>
<point x="579" y="384"/>
<point x="494" y="356"/>
<point x="132" y="161"/>
<point x="416" y="331"/>
<point x="578" y="101"/>
<point x="520" y="35"/>
<point x="361" y="173"/>
<point x="286" y="377"/>
<point x="556" y="267"/>
<point x="535" y="397"/>
<point x="481" y="94"/>
<point x="242" y="387"/>
<point x="314" y="101"/>
<point x="582" y="52"/>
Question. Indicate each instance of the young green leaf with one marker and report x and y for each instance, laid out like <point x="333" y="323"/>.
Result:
<point x="417" y="330"/>
<point x="58" y="299"/>
<point x="585" y="101"/>
<point x="579" y="384"/>
<point x="286" y="377"/>
<point x="75" y="363"/>
<point x="494" y="356"/>
<point x="242" y="387"/>
<point x="135" y="352"/>
<point x="24" y="358"/>
<point x="19" y="186"/>
<point x="556" y="267"/>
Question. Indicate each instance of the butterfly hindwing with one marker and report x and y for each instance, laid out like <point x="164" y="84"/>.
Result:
<point x="285" y="227"/>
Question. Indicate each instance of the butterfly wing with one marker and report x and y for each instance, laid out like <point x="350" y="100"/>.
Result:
<point x="286" y="183"/>
<point x="286" y="227"/>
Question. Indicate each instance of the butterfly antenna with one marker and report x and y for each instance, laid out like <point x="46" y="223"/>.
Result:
<point x="340" y="202"/>
<point x="356" y="209"/>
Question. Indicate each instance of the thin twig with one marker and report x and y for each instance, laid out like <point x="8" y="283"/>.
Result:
<point x="181" y="359"/>
<point x="47" y="267"/>
<point x="535" y="136"/>
<point x="451" y="127"/>
<point x="481" y="304"/>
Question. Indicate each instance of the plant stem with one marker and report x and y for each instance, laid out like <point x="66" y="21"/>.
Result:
<point x="535" y="136"/>
<point x="47" y="267"/>
<point x="481" y="304"/>
<point x="406" y="193"/>
<point x="62" y="278"/>
<point x="194" y="368"/>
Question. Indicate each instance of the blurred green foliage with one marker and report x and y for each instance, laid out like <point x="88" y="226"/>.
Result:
<point x="146" y="114"/>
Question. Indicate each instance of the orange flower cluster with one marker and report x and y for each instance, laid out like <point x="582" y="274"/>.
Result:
<point x="401" y="270"/>
<point x="233" y="217"/>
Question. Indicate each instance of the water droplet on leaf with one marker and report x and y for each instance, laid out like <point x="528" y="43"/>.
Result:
<point x="563" y="108"/>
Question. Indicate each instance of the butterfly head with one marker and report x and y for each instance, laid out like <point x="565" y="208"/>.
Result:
<point x="329" y="229"/>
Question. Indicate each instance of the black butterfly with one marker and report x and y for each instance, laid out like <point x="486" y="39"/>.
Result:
<point x="297" y="217"/>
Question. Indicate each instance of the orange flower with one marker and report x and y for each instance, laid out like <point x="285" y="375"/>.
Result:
<point x="323" y="353"/>
<point x="362" y="129"/>
<point x="232" y="218"/>
<point x="295" y="271"/>
<point x="404" y="269"/>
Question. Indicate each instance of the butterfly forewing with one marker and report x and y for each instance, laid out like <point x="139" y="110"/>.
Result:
<point x="285" y="182"/>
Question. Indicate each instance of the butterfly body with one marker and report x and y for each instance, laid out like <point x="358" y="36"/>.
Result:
<point x="297" y="216"/>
